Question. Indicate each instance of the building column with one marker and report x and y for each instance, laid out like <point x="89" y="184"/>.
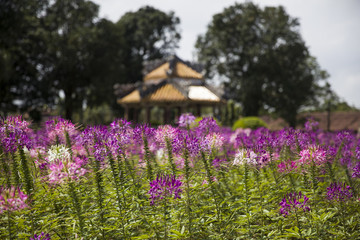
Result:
<point x="198" y="110"/>
<point x="148" y="114"/>
<point x="126" y="113"/>
<point x="166" y="115"/>
<point x="136" y="115"/>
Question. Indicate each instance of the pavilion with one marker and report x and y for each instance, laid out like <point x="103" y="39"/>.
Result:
<point x="172" y="85"/>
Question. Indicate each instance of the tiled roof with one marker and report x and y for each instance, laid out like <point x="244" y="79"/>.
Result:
<point x="175" y="68"/>
<point x="201" y="93"/>
<point x="133" y="97"/>
<point x="166" y="93"/>
<point x="158" y="73"/>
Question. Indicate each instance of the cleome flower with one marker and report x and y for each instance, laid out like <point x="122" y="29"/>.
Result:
<point x="339" y="192"/>
<point x="293" y="202"/>
<point x="58" y="153"/>
<point x="62" y="167"/>
<point x="164" y="186"/>
<point x="245" y="156"/>
<point x="41" y="236"/>
<point x="186" y="119"/>
<point x="12" y="199"/>
<point x="312" y="154"/>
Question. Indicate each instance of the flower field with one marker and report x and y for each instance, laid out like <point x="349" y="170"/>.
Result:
<point x="193" y="181"/>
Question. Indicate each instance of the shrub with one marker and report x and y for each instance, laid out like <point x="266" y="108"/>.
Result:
<point x="249" y="122"/>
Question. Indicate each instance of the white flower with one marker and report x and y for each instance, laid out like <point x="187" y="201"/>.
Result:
<point x="58" y="152"/>
<point x="245" y="156"/>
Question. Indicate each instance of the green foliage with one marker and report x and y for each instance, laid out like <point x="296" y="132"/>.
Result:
<point x="61" y="53"/>
<point x="243" y="203"/>
<point x="149" y="34"/>
<point x="263" y="57"/>
<point x="249" y="122"/>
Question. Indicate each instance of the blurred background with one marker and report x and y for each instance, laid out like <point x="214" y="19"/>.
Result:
<point x="281" y="61"/>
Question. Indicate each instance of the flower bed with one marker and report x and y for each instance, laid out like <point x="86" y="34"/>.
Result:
<point x="197" y="181"/>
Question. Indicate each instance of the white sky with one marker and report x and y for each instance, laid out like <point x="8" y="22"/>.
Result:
<point x="330" y="28"/>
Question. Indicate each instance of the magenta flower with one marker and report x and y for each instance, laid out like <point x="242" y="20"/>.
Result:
<point x="12" y="199"/>
<point x="57" y="128"/>
<point x="293" y="202"/>
<point x="41" y="236"/>
<point x="339" y="192"/>
<point x="287" y="166"/>
<point x="164" y="186"/>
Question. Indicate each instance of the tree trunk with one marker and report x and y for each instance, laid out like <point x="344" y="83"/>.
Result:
<point x="68" y="103"/>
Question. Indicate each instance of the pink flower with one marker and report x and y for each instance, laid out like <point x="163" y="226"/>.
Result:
<point x="214" y="179"/>
<point x="312" y="154"/>
<point x="12" y="199"/>
<point x="211" y="142"/>
<point x="287" y="166"/>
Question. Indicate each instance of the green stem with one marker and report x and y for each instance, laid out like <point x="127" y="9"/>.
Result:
<point x="115" y="174"/>
<point x="246" y="179"/>
<point x="350" y="180"/>
<point x="148" y="159"/>
<point x="331" y="172"/>
<point x="258" y="183"/>
<point x="313" y="177"/>
<point x="9" y="225"/>
<point x="15" y="170"/>
<point x="26" y="172"/>
<point x="213" y="191"/>
<point x="100" y="194"/>
<point x="6" y="169"/>
<point x="77" y="207"/>
<point x="165" y="219"/>
<point x="170" y="156"/>
<point x="187" y="179"/>
<point x="298" y="224"/>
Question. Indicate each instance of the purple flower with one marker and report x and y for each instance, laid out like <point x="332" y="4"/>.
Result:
<point x="186" y="119"/>
<point x="292" y="202"/>
<point x="14" y="133"/>
<point x="211" y="142"/>
<point x="41" y="236"/>
<point x="165" y="133"/>
<point x="339" y="192"/>
<point x="164" y="186"/>
<point x="356" y="171"/>
<point x="95" y="140"/>
<point x="141" y="132"/>
<point x="311" y="124"/>
<point x="207" y="125"/>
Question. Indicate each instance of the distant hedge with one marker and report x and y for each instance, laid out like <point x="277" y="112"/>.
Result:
<point x="249" y="122"/>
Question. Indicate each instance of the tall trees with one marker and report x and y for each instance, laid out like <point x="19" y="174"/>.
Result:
<point x="59" y="52"/>
<point x="263" y="57"/>
<point x="21" y="46"/>
<point x="149" y="34"/>
<point x="70" y="26"/>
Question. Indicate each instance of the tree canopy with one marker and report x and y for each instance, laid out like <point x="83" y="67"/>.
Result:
<point x="263" y="59"/>
<point x="149" y="34"/>
<point x="60" y="53"/>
